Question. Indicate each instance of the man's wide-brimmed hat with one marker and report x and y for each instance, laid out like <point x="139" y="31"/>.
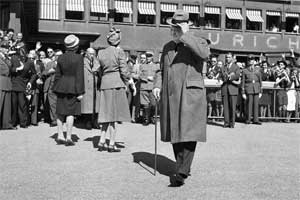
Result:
<point x="71" y="41"/>
<point x="180" y="16"/>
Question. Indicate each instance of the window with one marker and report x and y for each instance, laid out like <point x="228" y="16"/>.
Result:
<point x="233" y="18"/>
<point x="75" y="9"/>
<point x="292" y="22"/>
<point x="254" y="20"/>
<point x="212" y="17"/>
<point x="193" y="11"/>
<point x="273" y="21"/>
<point x="99" y="10"/>
<point x="167" y="11"/>
<point x="123" y="11"/>
<point x="146" y="12"/>
<point x="49" y="9"/>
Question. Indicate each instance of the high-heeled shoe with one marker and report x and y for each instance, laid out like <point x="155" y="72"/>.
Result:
<point x="112" y="149"/>
<point x="60" y="141"/>
<point x="69" y="142"/>
<point x="102" y="147"/>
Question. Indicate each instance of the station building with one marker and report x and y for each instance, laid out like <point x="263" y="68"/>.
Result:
<point x="241" y="26"/>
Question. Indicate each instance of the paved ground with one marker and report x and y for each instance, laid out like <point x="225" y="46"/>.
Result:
<point x="248" y="162"/>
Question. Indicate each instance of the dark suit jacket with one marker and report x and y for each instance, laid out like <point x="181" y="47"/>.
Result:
<point x="69" y="75"/>
<point x="228" y="87"/>
<point x="21" y="78"/>
<point x="49" y="76"/>
<point x="251" y="81"/>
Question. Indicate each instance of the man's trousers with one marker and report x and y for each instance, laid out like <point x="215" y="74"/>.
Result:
<point x="252" y="107"/>
<point x="19" y="108"/>
<point x="184" y="154"/>
<point x="229" y="104"/>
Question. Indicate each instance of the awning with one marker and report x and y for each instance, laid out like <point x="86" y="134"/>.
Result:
<point x="147" y="8"/>
<point x="123" y="6"/>
<point x="75" y="5"/>
<point x="234" y="13"/>
<point x="99" y="6"/>
<point x="212" y="10"/>
<point x="168" y="7"/>
<point x="191" y="9"/>
<point x="273" y="13"/>
<point x="254" y="15"/>
<point x="294" y="15"/>
<point x="49" y="9"/>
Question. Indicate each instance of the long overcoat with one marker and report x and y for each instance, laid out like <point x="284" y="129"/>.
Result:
<point x="90" y="67"/>
<point x="183" y="95"/>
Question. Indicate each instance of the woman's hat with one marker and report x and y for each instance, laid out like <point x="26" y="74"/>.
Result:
<point x="149" y="53"/>
<point x="180" y="16"/>
<point x="71" y="41"/>
<point x="114" y="36"/>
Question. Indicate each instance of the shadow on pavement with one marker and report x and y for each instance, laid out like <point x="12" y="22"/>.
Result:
<point x="165" y="166"/>
<point x="74" y="137"/>
<point x="95" y="140"/>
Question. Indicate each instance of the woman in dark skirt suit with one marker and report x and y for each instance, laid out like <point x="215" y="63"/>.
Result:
<point x="113" y="101"/>
<point x="69" y="87"/>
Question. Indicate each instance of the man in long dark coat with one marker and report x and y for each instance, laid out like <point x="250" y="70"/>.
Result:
<point x="183" y="95"/>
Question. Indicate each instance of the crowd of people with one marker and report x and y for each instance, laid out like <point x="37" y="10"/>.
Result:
<point x="27" y="79"/>
<point x="243" y="83"/>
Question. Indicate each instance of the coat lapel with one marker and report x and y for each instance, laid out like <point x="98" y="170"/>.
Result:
<point x="171" y="53"/>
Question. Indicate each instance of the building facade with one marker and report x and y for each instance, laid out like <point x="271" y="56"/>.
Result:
<point x="240" y="26"/>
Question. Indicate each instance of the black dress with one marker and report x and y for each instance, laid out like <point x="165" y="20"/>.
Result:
<point x="69" y="83"/>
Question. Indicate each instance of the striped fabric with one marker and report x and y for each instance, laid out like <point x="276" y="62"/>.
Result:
<point x="234" y="13"/>
<point x="146" y="8"/>
<point x="75" y="5"/>
<point x="254" y="15"/>
<point x="273" y="13"/>
<point x="168" y="7"/>
<point x="212" y="10"/>
<point x="191" y="8"/>
<point x="123" y="6"/>
<point x="49" y="9"/>
<point x="294" y="15"/>
<point x="99" y="6"/>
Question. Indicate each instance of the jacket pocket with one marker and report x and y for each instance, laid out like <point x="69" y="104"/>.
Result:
<point x="195" y="84"/>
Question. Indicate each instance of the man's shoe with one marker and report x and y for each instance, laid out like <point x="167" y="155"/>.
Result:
<point x="226" y="126"/>
<point x="23" y="126"/>
<point x="247" y="122"/>
<point x="231" y="126"/>
<point x="257" y="123"/>
<point x="146" y="123"/>
<point x="53" y="124"/>
<point x="176" y="180"/>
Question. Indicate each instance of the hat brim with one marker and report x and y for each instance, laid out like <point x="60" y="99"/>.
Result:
<point x="75" y="44"/>
<point x="169" y="21"/>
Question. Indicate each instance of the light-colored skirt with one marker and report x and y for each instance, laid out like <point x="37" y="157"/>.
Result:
<point x="113" y="106"/>
<point x="291" y="106"/>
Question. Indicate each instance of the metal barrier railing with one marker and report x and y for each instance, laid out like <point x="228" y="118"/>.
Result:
<point x="267" y="87"/>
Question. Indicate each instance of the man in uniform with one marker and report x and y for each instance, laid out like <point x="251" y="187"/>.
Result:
<point x="251" y="90"/>
<point x="230" y="76"/>
<point x="147" y="71"/>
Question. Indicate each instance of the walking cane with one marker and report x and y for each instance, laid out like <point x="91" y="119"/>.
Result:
<point x="155" y="142"/>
